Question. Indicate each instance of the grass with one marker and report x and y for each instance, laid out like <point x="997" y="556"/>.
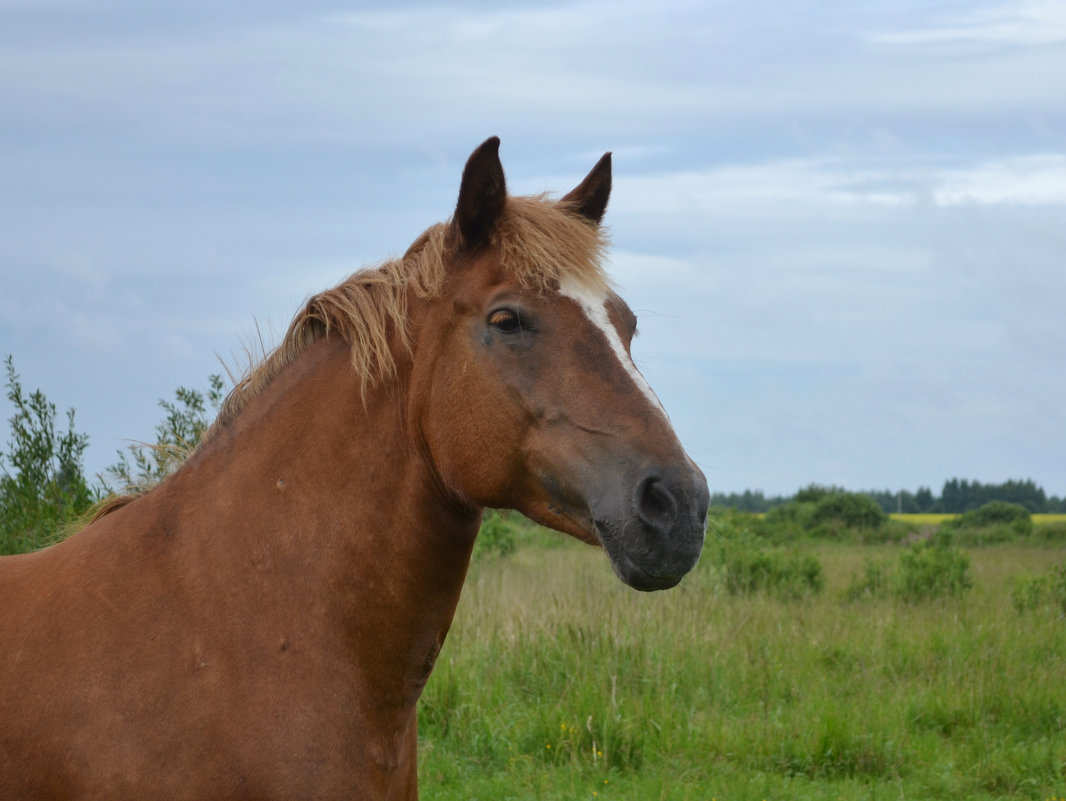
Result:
<point x="559" y="683"/>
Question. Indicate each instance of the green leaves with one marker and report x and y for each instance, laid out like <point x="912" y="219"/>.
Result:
<point x="141" y="466"/>
<point x="42" y="481"/>
<point x="43" y="488"/>
<point x="929" y="569"/>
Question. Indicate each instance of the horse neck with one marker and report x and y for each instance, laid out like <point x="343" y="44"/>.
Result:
<point x="327" y="491"/>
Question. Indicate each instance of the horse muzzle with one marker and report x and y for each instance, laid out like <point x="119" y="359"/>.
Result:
<point x="653" y="532"/>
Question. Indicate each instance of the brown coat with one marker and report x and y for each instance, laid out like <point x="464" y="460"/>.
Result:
<point x="262" y="623"/>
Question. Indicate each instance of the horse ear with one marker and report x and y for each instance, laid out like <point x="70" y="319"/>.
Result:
<point x="589" y="198"/>
<point x="482" y="193"/>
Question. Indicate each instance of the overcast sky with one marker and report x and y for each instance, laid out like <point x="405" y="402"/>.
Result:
<point x="842" y="224"/>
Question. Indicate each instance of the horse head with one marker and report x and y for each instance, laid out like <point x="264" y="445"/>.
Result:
<point x="524" y="393"/>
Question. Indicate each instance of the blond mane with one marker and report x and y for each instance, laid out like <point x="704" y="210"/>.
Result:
<point x="538" y="242"/>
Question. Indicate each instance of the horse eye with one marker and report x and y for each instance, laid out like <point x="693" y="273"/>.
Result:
<point x="505" y="320"/>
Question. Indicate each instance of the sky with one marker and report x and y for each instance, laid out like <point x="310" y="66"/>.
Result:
<point x="841" y="224"/>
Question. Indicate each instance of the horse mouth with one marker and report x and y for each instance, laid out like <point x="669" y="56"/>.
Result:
<point x="626" y="567"/>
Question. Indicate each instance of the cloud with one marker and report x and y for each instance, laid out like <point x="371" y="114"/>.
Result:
<point x="827" y="232"/>
<point x="841" y="187"/>
<point x="1022" y="23"/>
<point x="1038" y="179"/>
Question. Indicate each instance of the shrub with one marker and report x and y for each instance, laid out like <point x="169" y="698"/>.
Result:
<point x="1050" y="533"/>
<point x="788" y="521"/>
<point x="144" y="466"/>
<point x="46" y="487"/>
<point x="1029" y="592"/>
<point x="824" y="512"/>
<point x="849" y="509"/>
<point x="497" y="536"/>
<point x="1058" y="587"/>
<point x="748" y="565"/>
<point x="991" y="535"/>
<point x="813" y="493"/>
<point x="998" y="520"/>
<point x="895" y="532"/>
<point x="1032" y="592"/>
<point x="932" y="569"/>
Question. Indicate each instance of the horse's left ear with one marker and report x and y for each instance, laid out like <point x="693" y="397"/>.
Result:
<point x="589" y="198"/>
<point x="482" y="193"/>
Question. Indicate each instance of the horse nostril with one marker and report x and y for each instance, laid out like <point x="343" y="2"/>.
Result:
<point x="656" y="505"/>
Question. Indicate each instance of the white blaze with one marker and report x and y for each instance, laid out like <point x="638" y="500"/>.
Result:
<point x="593" y="301"/>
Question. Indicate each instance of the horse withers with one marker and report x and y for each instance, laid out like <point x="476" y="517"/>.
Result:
<point x="261" y="624"/>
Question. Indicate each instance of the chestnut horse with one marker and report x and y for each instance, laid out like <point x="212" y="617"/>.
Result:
<point x="261" y="624"/>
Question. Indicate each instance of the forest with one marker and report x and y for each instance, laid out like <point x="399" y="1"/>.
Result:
<point x="956" y="496"/>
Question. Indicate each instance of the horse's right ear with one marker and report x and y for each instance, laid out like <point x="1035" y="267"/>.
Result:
<point x="589" y="198"/>
<point x="481" y="194"/>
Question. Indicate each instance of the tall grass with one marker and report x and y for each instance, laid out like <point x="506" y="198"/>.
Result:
<point x="557" y="682"/>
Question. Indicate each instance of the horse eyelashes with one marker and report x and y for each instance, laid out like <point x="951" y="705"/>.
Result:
<point x="506" y="320"/>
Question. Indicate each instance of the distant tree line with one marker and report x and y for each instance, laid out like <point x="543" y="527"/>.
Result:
<point x="959" y="495"/>
<point x="956" y="496"/>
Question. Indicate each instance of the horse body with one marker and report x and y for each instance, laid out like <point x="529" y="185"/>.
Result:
<point x="262" y="623"/>
<point x="214" y="649"/>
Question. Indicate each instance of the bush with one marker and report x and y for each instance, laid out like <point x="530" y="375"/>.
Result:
<point x="1029" y="592"/>
<point x="748" y="565"/>
<point x="813" y="493"/>
<point x="895" y="532"/>
<point x="46" y="488"/>
<point x="144" y="466"/>
<point x="979" y="537"/>
<point x="788" y="521"/>
<point x="1000" y="520"/>
<point x="932" y="569"/>
<point x="823" y="512"/>
<point x="848" y="509"/>
<point x="1050" y="533"/>
<point x="1032" y="592"/>
<point x="497" y="537"/>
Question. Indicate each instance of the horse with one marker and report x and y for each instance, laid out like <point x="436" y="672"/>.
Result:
<point x="260" y="625"/>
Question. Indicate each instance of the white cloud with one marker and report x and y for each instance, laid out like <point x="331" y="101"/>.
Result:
<point x="765" y="189"/>
<point x="1022" y="23"/>
<point x="814" y="187"/>
<point x="1024" y="180"/>
<point x="795" y="200"/>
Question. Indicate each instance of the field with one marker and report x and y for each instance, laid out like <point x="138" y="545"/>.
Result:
<point x="937" y="519"/>
<point x="922" y="519"/>
<point x="557" y="682"/>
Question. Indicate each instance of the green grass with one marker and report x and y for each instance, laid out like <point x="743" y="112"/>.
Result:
<point x="559" y="683"/>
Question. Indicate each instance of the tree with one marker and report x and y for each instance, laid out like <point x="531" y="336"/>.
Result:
<point x="850" y="509"/>
<point x="142" y="466"/>
<point x="42" y="486"/>
<point x="924" y="499"/>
